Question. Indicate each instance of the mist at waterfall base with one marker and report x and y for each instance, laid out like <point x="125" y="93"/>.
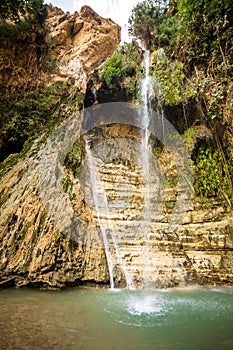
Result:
<point x="87" y="319"/>
<point x="195" y="318"/>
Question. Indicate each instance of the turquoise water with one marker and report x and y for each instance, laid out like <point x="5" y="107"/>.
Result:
<point x="195" y="318"/>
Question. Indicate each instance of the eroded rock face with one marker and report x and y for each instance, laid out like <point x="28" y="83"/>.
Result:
<point x="157" y="251"/>
<point x="83" y="40"/>
<point x="34" y="252"/>
<point x="22" y="60"/>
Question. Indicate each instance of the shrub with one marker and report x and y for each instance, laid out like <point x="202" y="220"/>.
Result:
<point x="112" y="72"/>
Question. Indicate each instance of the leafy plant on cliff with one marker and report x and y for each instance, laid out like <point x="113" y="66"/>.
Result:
<point x="122" y="70"/>
<point x="206" y="30"/>
<point x="211" y="173"/>
<point x="28" y="115"/>
<point x="112" y="72"/>
<point x="17" y="10"/>
<point x="174" y="88"/>
<point x="74" y="158"/>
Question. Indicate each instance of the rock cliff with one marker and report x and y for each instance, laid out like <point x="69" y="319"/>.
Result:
<point x="34" y="251"/>
<point x="79" y="43"/>
<point x="76" y="43"/>
<point x="83" y="41"/>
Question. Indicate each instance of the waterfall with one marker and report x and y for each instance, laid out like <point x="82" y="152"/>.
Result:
<point x="145" y="91"/>
<point x="146" y="86"/>
<point x="94" y="180"/>
<point x="101" y="204"/>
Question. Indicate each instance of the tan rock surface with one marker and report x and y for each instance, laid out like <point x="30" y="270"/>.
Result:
<point x="33" y="250"/>
<point x="83" y="40"/>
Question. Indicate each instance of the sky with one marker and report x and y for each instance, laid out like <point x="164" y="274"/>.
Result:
<point x="118" y="10"/>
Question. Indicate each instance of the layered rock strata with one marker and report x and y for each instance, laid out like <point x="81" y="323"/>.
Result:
<point x="38" y="248"/>
<point x="34" y="252"/>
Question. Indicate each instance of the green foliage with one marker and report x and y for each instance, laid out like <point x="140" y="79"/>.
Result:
<point x="188" y="135"/>
<point x="15" y="10"/>
<point x="122" y="70"/>
<point x="145" y="21"/>
<point x="207" y="29"/>
<point x="112" y="72"/>
<point x="211" y="173"/>
<point x="28" y="115"/>
<point x="172" y="87"/>
<point x="11" y="9"/>
<point x="13" y="31"/>
<point x="192" y="58"/>
<point x="208" y="169"/>
<point x="198" y="31"/>
<point x="73" y="159"/>
<point x="66" y="184"/>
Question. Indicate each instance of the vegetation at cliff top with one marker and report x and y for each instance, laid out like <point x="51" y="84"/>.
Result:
<point x="122" y="71"/>
<point x="145" y="22"/>
<point x="26" y="116"/>
<point x="191" y="42"/>
<point x="17" y="10"/>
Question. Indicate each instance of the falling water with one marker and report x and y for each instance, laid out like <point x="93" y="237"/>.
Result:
<point x="94" y="179"/>
<point x="146" y="86"/>
<point x="101" y="201"/>
<point x="145" y="91"/>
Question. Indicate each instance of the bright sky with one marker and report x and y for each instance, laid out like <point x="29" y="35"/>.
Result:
<point x="117" y="10"/>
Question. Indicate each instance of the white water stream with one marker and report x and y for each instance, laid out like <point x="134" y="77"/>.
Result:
<point x="146" y="86"/>
<point x="101" y="208"/>
<point x="94" y="179"/>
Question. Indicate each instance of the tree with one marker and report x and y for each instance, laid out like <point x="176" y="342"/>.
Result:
<point x="14" y="9"/>
<point x="207" y="29"/>
<point x="11" y="9"/>
<point x="145" y="20"/>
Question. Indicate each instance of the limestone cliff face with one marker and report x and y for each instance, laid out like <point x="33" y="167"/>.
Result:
<point x="83" y="40"/>
<point x="33" y="249"/>
<point x="80" y="43"/>
<point x="34" y="252"/>
<point x="158" y="251"/>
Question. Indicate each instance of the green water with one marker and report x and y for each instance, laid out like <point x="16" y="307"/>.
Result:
<point x="197" y="318"/>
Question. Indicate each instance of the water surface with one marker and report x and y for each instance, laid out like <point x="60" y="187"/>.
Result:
<point x="196" y="318"/>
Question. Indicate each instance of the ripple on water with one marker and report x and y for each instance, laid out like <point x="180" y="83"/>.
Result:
<point x="146" y="305"/>
<point x="138" y="309"/>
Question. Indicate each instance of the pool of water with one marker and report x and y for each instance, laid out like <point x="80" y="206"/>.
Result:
<point x="194" y="318"/>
